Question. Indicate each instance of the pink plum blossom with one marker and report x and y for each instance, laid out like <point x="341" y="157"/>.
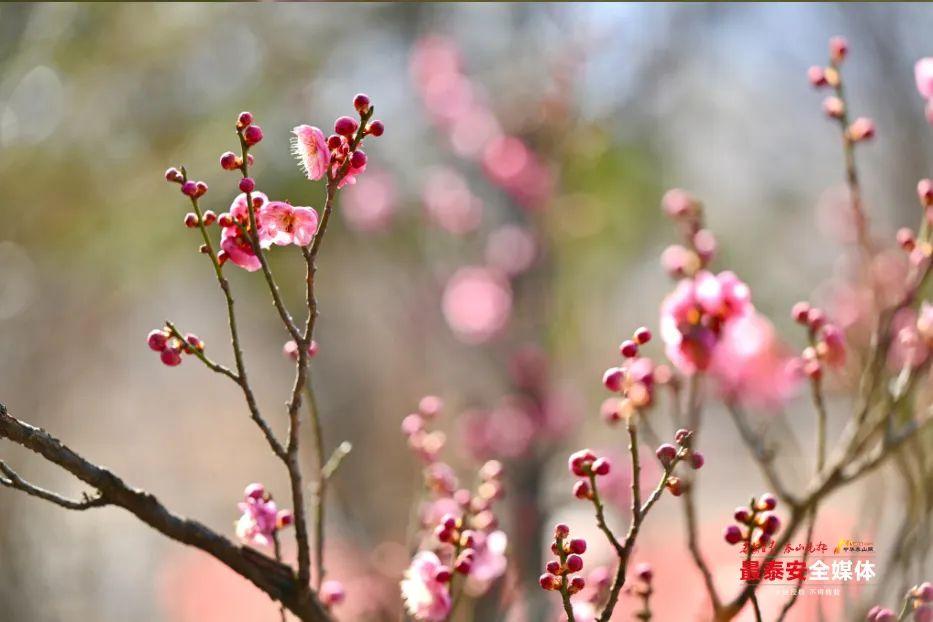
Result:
<point x="693" y="316"/>
<point x="751" y="365"/>
<point x="259" y="519"/>
<point x="477" y="303"/>
<point x="923" y="74"/>
<point x="238" y="249"/>
<point x="309" y="145"/>
<point x="425" y="597"/>
<point x="489" y="562"/>
<point x="282" y="224"/>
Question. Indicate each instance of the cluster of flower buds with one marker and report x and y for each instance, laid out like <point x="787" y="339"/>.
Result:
<point x="699" y="247"/>
<point x="587" y="465"/>
<point x="260" y="518"/>
<point x="332" y="593"/>
<point x="189" y="188"/>
<point x="426" y="444"/>
<point x="669" y="455"/>
<point x="290" y="349"/>
<point x="170" y="347"/>
<point x="861" y="129"/>
<point x="827" y="342"/>
<point x="759" y="521"/>
<point x="634" y="380"/>
<point x="451" y="530"/>
<point x="560" y="572"/>
<point x="338" y="156"/>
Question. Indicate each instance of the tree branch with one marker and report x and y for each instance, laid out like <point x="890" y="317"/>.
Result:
<point x="275" y="579"/>
<point x="13" y="480"/>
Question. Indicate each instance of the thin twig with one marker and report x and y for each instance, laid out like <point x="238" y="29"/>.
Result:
<point x="13" y="480"/>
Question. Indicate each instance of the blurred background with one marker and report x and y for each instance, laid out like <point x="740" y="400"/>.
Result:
<point x="503" y="241"/>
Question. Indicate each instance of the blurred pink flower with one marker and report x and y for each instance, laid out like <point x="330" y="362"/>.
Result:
<point x="694" y="314"/>
<point x="477" y="303"/>
<point x="425" y="597"/>
<point x="751" y="365"/>
<point x="258" y="521"/>
<point x="510" y="164"/>
<point x="310" y="147"/>
<point x="282" y="224"/>
<point x="512" y="249"/>
<point x="489" y="562"/>
<point x="449" y="202"/>
<point x="505" y="432"/>
<point x="923" y="73"/>
<point x="370" y="205"/>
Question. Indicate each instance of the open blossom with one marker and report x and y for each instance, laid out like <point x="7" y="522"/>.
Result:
<point x="238" y="249"/>
<point x="751" y="365"/>
<point x="282" y="224"/>
<point x="310" y="147"/>
<point x="489" y="562"/>
<point x="259" y="519"/>
<point x="426" y="598"/>
<point x="694" y="314"/>
<point x="477" y="303"/>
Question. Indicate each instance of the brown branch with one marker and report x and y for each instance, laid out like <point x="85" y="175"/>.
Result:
<point x="13" y="480"/>
<point x="762" y="455"/>
<point x="275" y="579"/>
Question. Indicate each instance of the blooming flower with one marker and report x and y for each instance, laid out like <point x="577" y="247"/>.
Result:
<point x="238" y="249"/>
<point x="309" y="145"/>
<point x="259" y="519"/>
<point x="693" y="316"/>
<point x="490" y="561"/>
<point x="750" y="364"/>
<point x="282" y="224"/>
<point x="477" y="303"/>
<point x="426" y="598"/>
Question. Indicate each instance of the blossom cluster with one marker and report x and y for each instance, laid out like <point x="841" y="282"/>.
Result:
<point x="759" y="521"/>
<point x="918" y="603"/>
<point x="171" y="346"/>
<point x="634" y="380"/>
<point x="561" y="572"/>
<point x="460" y="534"/>
<point x="261" y="518"/>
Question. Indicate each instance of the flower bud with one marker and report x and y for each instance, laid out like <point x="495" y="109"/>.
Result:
<point x="561" y="531"/>
<point x="361" y="103"/>
<point x="925" y="192"/>
<point x="838" y="49"/>
<point x="443" y="575"/>
<point x="254" y="491"/>
<point x="742" y="515"/>
<point x="612" y="379"/>
<point x="833" y="107"/>
<point x="244" y="120"/>
<point x="770" y="523"/>
<point x="252" y="134"/>
<point x="576" y="585"/>
<point x="200" y="189"/>
<point x="574" y="563"/>
<point x="346" y="126"/>
<point x="332" y="592"/>
<point x="697" y="460"/>
<point x="229" y="161"/>
<point x="581" y="461"/>
<point x="358" y="159"/>
<point x="334" y="142"/>
<point x="191" y="220"/>
<point x="173" y="175"/>
<point x="157" y="340"/>
<point x="284" y="518"/>
<point x="189" y="188"/>
<point x="732" y="534"/>
<point x="376" y="128"/>
<point x="816" y="76"/>
<point x="553" y="567"/>
<point x="549" y="582"/>
<point x="800" y="312"/>
<point x="209" y="218"/>
<point x="642" y="335"/>
<point x="767" y="501"/>
<point x="644" y="572"/>
<point x="862" y="129"/>
<point x="581" y="490"/>
<point x="247" y="184"/>
<point x="578" y="546"/>
<point x="170" y="357"/>
<point x="666" y="453"/>
<point x="628" y="349"/>
<point x="601" y="466"/>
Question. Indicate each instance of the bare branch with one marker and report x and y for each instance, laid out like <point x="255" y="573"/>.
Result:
<point x="274" y="578"/>
<point x="13" y="480"/>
